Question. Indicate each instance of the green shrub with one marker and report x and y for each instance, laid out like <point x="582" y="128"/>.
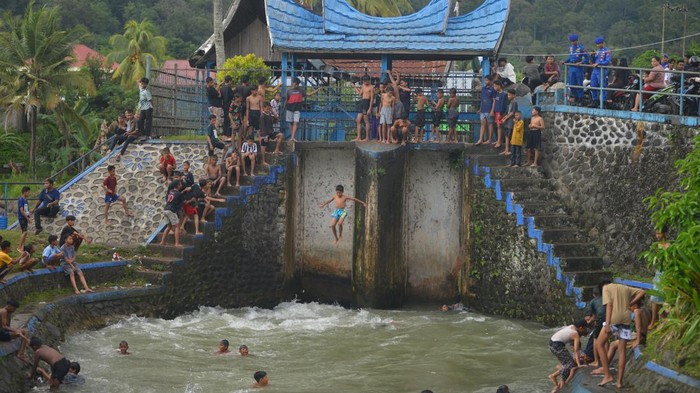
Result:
<point x="250" y="65"/>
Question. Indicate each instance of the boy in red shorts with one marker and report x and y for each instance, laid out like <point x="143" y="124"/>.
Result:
<point x="110" y="186"/>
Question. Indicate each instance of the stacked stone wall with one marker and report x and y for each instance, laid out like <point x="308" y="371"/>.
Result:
<point x="603" y="171"/>
<point x="506" y="274"/>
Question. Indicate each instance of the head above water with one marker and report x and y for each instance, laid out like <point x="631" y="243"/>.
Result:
<point x="123" y="346"/>
<point x="260" y="377"/>
<point x="75" y="366"/>
<point x="503" y="389"/>
<point x="243" y="350"/>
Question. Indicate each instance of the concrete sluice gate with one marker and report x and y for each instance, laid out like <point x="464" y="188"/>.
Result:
<point x="407" y="245"/>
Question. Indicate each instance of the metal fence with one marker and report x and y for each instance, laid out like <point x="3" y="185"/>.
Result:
<point x="680" y="96"/>
<point x="329" y="110"/>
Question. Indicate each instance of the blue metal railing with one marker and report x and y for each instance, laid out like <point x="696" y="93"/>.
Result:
<point x="330" y="108"/>
<point x="678" y="98"/>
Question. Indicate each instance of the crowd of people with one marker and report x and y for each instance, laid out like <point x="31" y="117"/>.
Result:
<point x="589" y="69"/>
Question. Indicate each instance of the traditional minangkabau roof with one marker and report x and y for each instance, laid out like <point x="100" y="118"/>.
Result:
<point x="341" y="18"/>
<point x="345" y="31"/>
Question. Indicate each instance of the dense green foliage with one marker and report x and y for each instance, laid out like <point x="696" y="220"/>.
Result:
<point x="185" y="23"/>
<point x="132" y="50"/>
<point x="679" y="210"/>
<point x="250" y="65"/>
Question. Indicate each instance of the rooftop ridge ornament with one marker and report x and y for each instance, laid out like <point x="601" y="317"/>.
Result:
<point x="340" y="17"/>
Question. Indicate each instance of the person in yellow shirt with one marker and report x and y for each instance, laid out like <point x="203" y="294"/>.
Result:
<point x="6" y="261"/>
<point x="516" y="140"/>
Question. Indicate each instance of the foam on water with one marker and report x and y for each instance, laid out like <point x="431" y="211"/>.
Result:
<point x="314" y="348"/>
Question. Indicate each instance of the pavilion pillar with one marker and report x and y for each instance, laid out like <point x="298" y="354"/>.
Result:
<point x="385" y="67"/>
<point x="294" y="64"/>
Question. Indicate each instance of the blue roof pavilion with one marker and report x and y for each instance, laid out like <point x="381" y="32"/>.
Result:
<point x="343" y="31"/>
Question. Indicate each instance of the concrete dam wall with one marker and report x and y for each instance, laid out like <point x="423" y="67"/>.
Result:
<point x="407" y="245"/>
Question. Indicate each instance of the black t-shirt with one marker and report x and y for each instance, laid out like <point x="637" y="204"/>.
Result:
<point x="65" y="232"/>
<point x="226" y="95"/>
<point x="188" y="179"/>
<point x="213" y="97"/>
<point x="243" y="91"/>
<point x="266" y="124"/>
<point x="174" y="201"/>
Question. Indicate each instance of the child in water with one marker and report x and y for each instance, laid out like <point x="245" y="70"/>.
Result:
<point x="340" y="211"/>
<point x="124" y="348"/>
<point x="261" y="379"/>
<point x="223" y="348"/>
<point x="243" y="350"/>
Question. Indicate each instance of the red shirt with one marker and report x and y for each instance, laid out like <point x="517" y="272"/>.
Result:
<point x="168" y="160"/>
<point x="111" y="184"/>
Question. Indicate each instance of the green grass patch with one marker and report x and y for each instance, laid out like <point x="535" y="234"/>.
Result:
<point x="688" y="364"/>
<point x="47" y="296"/>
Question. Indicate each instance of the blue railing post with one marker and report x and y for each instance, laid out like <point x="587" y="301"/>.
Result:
<point x="682" y="90"/>
<point x="601" y="95"/>
<point x="283" y="93"/>
<point x="567" y="88"/>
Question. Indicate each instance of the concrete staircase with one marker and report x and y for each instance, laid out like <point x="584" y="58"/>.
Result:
<point x="158" y="268"/>
<point x="533" y="199"/>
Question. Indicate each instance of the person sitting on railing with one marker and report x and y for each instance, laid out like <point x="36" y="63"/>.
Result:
<point x="551" y="71"/>
<point x="118" y="129"/>
<point x="132" y="132"/>
<point x="653" y="81"/>
<point x="506" y="71"/>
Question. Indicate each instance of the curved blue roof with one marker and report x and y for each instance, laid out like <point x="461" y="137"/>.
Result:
<point x="341" y="18"/>
<point x="295" y="29"/>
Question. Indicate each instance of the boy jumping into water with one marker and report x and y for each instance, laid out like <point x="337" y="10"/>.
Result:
<point x="340" y="212"/>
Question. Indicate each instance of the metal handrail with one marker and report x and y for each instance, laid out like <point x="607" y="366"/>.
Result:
<point x="640" y="88"/>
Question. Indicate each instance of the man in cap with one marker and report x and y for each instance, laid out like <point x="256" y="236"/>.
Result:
<point x="577" y="56"/>
<point x="599" y="75"/>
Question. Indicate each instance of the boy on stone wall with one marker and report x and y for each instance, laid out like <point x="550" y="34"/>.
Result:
<point x="110" y="186"/>
<point x="340" y="211"/>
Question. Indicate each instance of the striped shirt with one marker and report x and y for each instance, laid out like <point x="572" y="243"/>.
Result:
<point x="252" y="148"/>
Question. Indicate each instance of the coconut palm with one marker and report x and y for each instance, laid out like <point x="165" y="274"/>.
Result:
<point x="35" y="54"/>
<point x="131" y="49"/>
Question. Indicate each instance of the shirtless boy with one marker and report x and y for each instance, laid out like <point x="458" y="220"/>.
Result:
<point x="214" y="174"/>
<point x="452" y="116"/>
<point x="366" y="92"/>
<point x="8" y="333"/>
<point x="233" y="164"/>
<point x="253" y="107"/>
<point x="340" y="212"/>
<point x="223" y="348"/>
<point x="437" y="115"/>
<point x="123" y="348"/>
<point x="534" y="137"/>
<point x="386" y="118"/>
<point x="421" y="104"/>
<point x="58" y="363"/>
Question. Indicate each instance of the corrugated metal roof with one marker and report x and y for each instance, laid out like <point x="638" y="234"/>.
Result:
<point x="296" y="29"/>
<point x="339" y="17"/>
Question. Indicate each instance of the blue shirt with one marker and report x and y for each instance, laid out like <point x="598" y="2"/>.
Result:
<point x="487" y="96"/>
<point x="577" y="54"/>
<point x="501" y="102"/>
<point x="22" y="203"/>
<point x="47" y="197"/>
<point x="603" y="56"/>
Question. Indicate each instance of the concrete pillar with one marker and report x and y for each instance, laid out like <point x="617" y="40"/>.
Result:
<point x="379" y="266"/>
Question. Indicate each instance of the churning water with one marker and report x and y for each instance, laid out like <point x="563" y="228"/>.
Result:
<point x="310" y="347"/>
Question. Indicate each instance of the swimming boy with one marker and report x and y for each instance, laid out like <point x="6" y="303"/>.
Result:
<point x="223" y="348"/>
<point x="124" y="348"/>
<point x="261" y="379"/>
<point x="243" y="350"/>
<point x="340" y="211"/>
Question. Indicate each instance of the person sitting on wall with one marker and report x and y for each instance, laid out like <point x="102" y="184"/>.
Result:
<point x="47" y="205"/>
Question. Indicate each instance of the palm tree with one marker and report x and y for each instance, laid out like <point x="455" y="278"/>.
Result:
<point x="35" y="54"/>
<point x="131" y="49"/>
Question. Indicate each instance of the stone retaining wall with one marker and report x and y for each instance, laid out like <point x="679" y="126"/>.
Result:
<point x="505" y="274"/>
<point x="604" y="181"/>
<point x="138" y="180"/>
<point x="89" y="311"/>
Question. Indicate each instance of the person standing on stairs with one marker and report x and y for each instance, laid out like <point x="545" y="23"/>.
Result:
<point x="534" y="136"/>
<point x="173" y="205"/>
